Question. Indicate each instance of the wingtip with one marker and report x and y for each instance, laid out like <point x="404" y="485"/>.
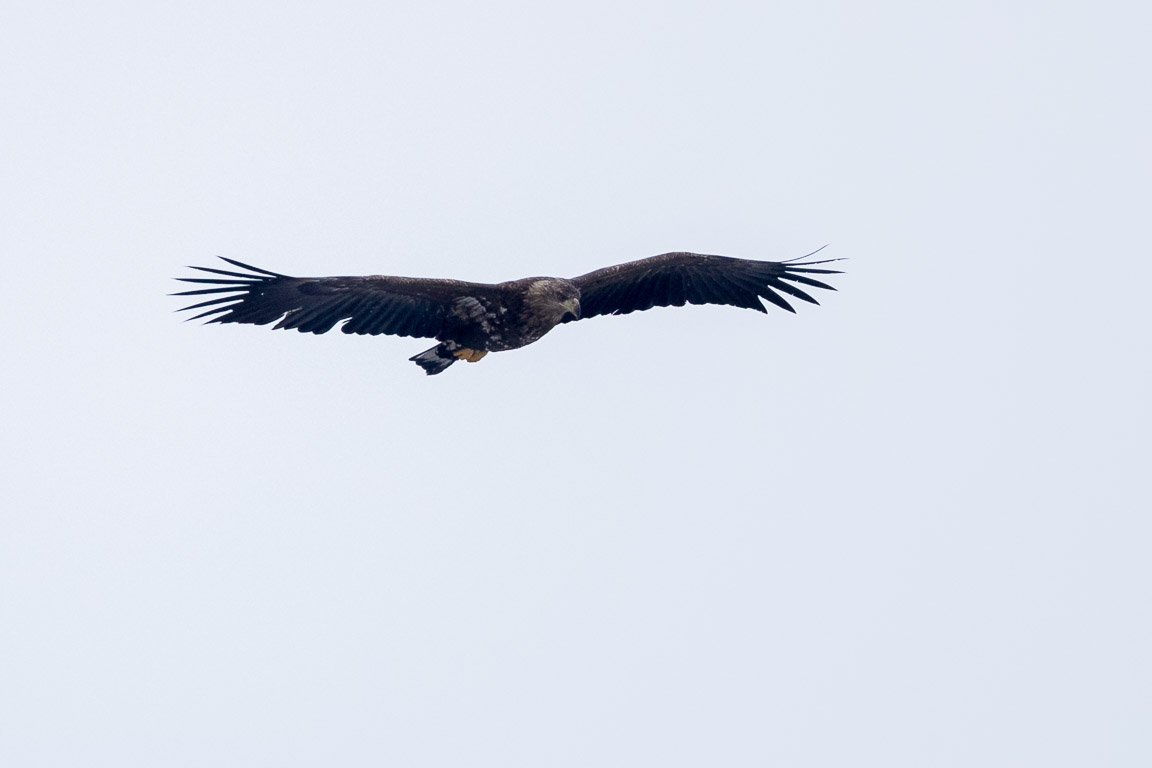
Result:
<point x="798" y="261"/>
<point x="249" y="267"/>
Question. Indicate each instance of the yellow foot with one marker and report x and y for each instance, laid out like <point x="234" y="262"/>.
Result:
<point x="469" y="354"/>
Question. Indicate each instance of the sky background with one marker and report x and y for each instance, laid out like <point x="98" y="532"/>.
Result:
<point x="909" y="527"/>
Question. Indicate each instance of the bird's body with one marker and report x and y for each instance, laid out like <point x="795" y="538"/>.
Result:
<point x="471" y="319"/>
<point x="520" y="312"/>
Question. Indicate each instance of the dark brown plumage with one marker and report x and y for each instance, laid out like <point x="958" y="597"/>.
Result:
<point x="471" y="319"/>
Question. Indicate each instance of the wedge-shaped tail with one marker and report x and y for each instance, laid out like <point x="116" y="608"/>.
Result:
<point x="437" y="359"/>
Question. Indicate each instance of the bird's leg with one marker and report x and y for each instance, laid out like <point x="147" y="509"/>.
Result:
<point x="469" y="354"/>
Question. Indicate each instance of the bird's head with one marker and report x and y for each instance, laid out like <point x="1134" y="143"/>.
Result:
<point x="557" y="294"/>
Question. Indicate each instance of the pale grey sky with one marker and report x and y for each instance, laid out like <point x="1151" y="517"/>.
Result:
<point x="909" y="527"/>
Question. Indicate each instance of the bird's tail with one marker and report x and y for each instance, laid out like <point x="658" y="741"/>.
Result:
<point x="437" y="359"/>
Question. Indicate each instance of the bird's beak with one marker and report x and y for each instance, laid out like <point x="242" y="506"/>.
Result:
<point x="572" y="306"/>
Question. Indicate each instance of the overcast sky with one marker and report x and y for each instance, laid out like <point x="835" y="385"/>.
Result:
<point x="909" y="527"/>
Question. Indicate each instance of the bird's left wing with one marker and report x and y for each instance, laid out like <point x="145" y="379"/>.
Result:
<point x="377" y="304"/>
<point x="693" y="278"/>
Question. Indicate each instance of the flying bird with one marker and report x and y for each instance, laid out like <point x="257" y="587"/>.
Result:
<point x="469" y="320"/>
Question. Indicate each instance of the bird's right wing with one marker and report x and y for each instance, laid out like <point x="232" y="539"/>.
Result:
<point x="376" y="304"/>
<point x="677" y="279"/>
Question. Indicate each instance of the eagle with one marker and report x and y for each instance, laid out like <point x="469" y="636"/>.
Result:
<point x="469" y="320"/>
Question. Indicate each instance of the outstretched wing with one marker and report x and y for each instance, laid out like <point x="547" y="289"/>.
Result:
<point x="402" y="306"/>
<point x="693" y="278"/>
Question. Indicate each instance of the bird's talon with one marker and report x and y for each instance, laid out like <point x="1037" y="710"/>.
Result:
<point x="477" y="355"/>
